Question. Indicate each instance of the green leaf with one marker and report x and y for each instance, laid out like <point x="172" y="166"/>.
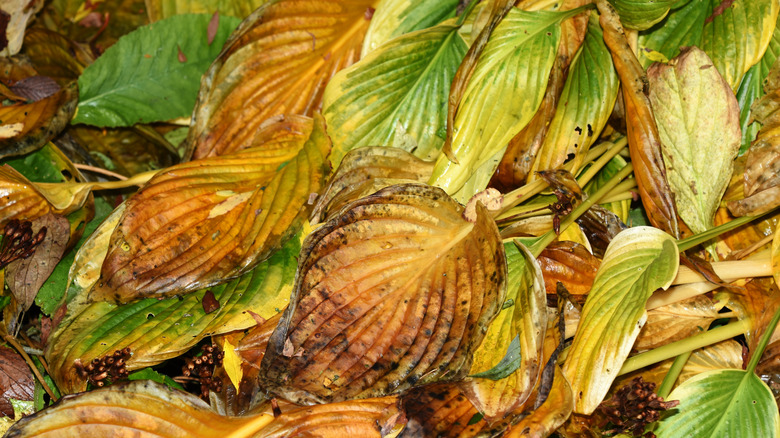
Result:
<point x="405" y="82"/>
<point x="637" y="262"/>
<point x="150" y="374"/>
<point x="586" y="103"/>
<point x="160" y="9"/>
<point x="751" y="88"/>
<point x="516" y="62"/>
<point x="683" y="27"/>
<point x="156" y="330"/>
<point x="722" y="403"/>
<point x="641" y="14"/>
<point x="698" y="122"/>
<point x="142" y="78"/>
<point x="394" y="18"/>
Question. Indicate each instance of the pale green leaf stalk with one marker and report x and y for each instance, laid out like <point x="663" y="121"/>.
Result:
<point x="698" y="121"/>
<point x="638" y="261"/>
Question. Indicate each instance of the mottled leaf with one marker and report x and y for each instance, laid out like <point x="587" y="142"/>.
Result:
<point x="637" y="262"/>
<point x="551" y="415"/>
<point x="394" y="18"/>
<point x="16" y="380"/>
<point x="55" y="56"/>
<point x="698" y="121"/>
<point x="440" y="410"/>
<point x="278" y="62"/>
<point x="405" y="82"/>
<point x="570" y="264"/>
<point x="392" y="293"/>
<point x="213" y="219"/>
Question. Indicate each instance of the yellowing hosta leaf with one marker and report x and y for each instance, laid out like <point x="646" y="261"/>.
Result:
<point x="394" y="18"/>
<point x="726" y="354"/>
<point x="698" y="121"/>
<point x="406" y="81"/>
<point x="365" y="171"/>
<point x="735" y="37"/>
<point x="682" y="27"/>
<point x="722" y="403"/>
<point x="278" y="62"/>
<point x="642" y="14"/>
<point x="156" y="330"/>
<point x="585" y="104"/>
<point x="393" y="292"/>
<point x="551" y="415"/>
<point x="516" y="62"/>
<point x="20" y="198"/>
<point x="159" y="9"/>
<point x="200" y="222"/>
<point x="638" y="261"/>
<point x="524" y="316"/>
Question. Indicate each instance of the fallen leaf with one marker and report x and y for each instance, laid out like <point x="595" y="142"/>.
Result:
<point x="16" y="380"/>
<point x="676" y="321"/>
<point x="210" y="304"/>
<point x="572" y="265"/>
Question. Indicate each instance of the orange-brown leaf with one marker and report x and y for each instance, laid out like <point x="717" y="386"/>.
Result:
<point x="277" y="63"/>
<point x="202" y="222"/>
<point x="571" y="264"/>
<point x="552" y="413"/>
<point x="393" y="292"/>
<point x="19" y="199"/>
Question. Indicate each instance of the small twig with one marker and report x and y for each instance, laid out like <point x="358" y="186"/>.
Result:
<point x="100" y="170"/>
<point x="18" y="347"/>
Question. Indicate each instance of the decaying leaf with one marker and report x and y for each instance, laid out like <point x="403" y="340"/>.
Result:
<point x="16" y="380"/>
<point x="20" y="198"/>
<point x="16" y="14"/>
<point x="548" y="417"/>
<point x="756" y="303"/>
<point x="277" y="63"/>
<point x="698" y="122"/>
<point x="572" y="265"/>
<point x="676" y="321"/>
<point x="392" y="293"/>
<point x="440" y="410"/>
<point x="364" y="171"/>
<point x="201" y="222"/>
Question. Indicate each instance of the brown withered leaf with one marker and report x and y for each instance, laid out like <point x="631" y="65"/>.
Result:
<point x="571" y="264"/>
<point x="756" y="303"/>
<point x="644" y="142"/>
<point x="394" y="292"/>
<point x="441" y="410"/>
<point x="26" y="276"/>
<point x="745" y="236"/>
<point x="548" y="417"/>
<point x="364" y="171"/>
<point x="277" y="62"/>
<point x="19" y="198"/>
<point x="28" y="126"/>
<point x="252" y="346"/>
<point x="16" y="380"/>
<point x="204" y="221"/>
<point x="55" y="56"/>
<point x="600" y="226"/>
<point x="676" y="321"/>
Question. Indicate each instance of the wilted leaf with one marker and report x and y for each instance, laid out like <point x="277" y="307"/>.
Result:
<point x="756" y="304"/>
<point x="405" y="82"/>
<point x="637" y="262"/>
<point x="440" y="410"/>
<point x="698" y="121"/>
<point x="676" y="321"/>
<point x="726" y="354"/>
<point x="26" y="276"/>
<point x="16" y="380"/>
<point x="572" y="265"/>
<point x="392" y="293"/>
<point x="516" y="61"/>
<point x="28" y="126"/>
<point x="19" y="196"/>
<point x="642" y="14"/>
<point x="585" y="104"/>
<point x="621" y="209"/>
<point x="140" y="80"/>
<point x="278" y="62"/>
<point x="129" y="152"/>
<point x="644" y="143"/>
<point x="722" y="403"/>
<point x="252" y="347"/>
<point x="525" y="317"/>
<point x="161" y="9"/>
<point x="18" y="13"/>
<point x="213" y="219"/>
<point x="364" y="171"/>
<point x="548" y="417"/>
<point x="56" y="56"/>
<point x="394" y="18"/>
<point x="156" y="330"/>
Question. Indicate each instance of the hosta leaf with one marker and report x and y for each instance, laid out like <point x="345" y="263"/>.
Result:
<point x="141" y="408"/>
<point x="160" y="9"/>
<point x="213" y="218"/>
<point x="28" y="126"/>
<point x="278" y="62"/>
<point x="392" y="293"/>
<point x="128" y="151"/>
<point x="404" y="82"/>
<point x="585" y="104"/>
<point x="698" y="121"/>
<point x="516" y="61"/>
<point x="525" y="317"/>
<point x="642" y="14"/>
<point x="736" y="36"/>
<point x="644" y="143"/>
<point x="682" y="27"/>
<point x="156" y="330"/>
<point x="726" y="354"/>
<point x="141" y="78"/>
<point x="365" y="171"/>
<point x="571" y="264"/>
<point x="637" y="262"/>
<point x="441" y="410"/>
<point x="722" y="403"/>
<point x="55" y="56"/>
<point x="394" y="18"/>
<point x="552" y="413"/>
<point x="21" y="200"/>
<point x="676" y="321"/>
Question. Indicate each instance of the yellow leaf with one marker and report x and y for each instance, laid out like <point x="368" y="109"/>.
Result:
<point x="232" y="362"/>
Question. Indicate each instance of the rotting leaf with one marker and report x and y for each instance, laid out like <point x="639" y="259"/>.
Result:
<point x="392" y="293"/>
<point x="676" y="321"/>
<point x="20" y="198"/>
<point x="277" y="63"/>
<point x="570" y="264"/>
<point x="214" y="218"/>
<point x="210" y="304"/>
<point x="553" y="412"/>
<point x="440" y="410"/>
<point x="698" y="122"/>
<point x="16" y="380"/>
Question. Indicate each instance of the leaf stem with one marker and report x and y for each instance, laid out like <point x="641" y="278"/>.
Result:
<point x="762" y="343"/>
<point x="690" y="242"/>
<point x="673" y="374"/>
<point x="602" y="161"/>
<point x="677" y="348"/>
